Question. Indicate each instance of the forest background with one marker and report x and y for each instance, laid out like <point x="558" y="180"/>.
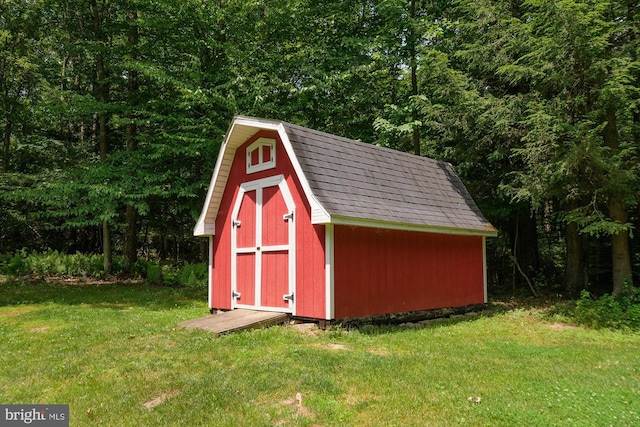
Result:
<point x="112" y="113"/>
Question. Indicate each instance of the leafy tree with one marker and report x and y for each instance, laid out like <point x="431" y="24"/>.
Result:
<point x="579" y="146"/>
<point x="135" y="96"/>
<point x="19" y="28"/>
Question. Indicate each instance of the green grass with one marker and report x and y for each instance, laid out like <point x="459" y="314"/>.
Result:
<point x="115" y="354"/>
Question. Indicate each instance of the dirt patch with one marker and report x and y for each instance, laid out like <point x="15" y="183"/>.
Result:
<point x="38" y="329"/>
<point x="110" y="280"/>
<point x="561" y="326"/>
<point x="159" y="399"/>
<point x="331" y="346"/>
<point x="334" y="346"/>
<point x="379" y="352"/>
<point x="306" y="328"/>
<point x="296" y="401"/>
<point x="16" y="311"/>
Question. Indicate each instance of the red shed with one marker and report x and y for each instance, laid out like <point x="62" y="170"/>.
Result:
<point x="325" y="227"/>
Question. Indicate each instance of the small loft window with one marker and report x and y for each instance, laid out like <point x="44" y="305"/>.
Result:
<point x="261" y="155"/>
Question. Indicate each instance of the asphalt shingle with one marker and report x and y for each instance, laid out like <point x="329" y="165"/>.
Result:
<point x="354" y="180"/>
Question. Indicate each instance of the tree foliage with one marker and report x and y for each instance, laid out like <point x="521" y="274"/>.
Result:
<point x="112" y="112"/>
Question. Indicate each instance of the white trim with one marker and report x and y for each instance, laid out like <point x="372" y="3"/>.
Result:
<point x="259" y="185"/>
<point x="210" y="274"/>
<point x="261" y="165"/>
<point x="329" y="271"/>
<point x="271" y="181"/>
<point x="246" y="250"/>
<point x="484" y="268"/>
<point x="257" y="281"/>
<point x="253" y="307"/>
<point x="234" y="245"/>
<point x="275" y="248"/>
<point x="357" y="222"/>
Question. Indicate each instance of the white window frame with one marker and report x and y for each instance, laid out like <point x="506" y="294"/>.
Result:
<point x="259" y="145"/>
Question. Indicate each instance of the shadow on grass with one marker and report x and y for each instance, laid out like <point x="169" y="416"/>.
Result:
<point x="21" y="291"/>
<point x="377" y="329"/>
<point x="547" y="305"/>
<point x="400" y="322"/>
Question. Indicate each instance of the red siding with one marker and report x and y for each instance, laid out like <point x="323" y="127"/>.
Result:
<point x="275" y="279"/>
<point x="246" y="281"/>
<point x="275" y="230"/>
<point x="388" y="271"/>
<point x="310" y="276"/>
<point x="246" y="234"/>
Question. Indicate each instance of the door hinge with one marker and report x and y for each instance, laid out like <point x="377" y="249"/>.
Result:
<point x="288" y="217"/>
<point x="235" y="294"/>
<point x="236" y="223"/>
<point x="288" y="297"/>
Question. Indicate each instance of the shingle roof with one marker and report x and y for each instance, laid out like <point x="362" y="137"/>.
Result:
<point x="355" y="180"/>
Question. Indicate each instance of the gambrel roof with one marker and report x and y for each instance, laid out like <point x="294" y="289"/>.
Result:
<point x="350" y="182"/>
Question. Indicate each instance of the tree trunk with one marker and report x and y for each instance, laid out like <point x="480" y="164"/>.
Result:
<point x="103" y="96"/>
<point x="577" y="261"/>
<point x="106" y="247"/>
<point x="131" y="214"/>
<point x="6" y="146"/>
<point x="526" y="246"/>
<point x="621" y="255"/>
<point x="106" y="228"/>
<point x="131" y="236"/>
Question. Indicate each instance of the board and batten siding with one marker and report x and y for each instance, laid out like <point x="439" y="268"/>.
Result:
<point x="379" y="271"/>
<point x="310" y="273"/>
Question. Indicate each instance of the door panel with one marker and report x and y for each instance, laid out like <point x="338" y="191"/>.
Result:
<point x="275" y="279"/>
<point x="274" y="226"/>
<point x="246" y="229"/>
<point x="246" y="278"/>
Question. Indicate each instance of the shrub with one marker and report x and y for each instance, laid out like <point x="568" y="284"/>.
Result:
<point x="13" y="265"/>
<point x="154" y="273"/>
<point x="54" y="263"/>
<point x="194" y="275"/>
<point x="187" y="274"/>
<point x="611" y="312"/>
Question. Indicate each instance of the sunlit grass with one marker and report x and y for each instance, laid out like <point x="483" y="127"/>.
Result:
<point x="115" y="354"/>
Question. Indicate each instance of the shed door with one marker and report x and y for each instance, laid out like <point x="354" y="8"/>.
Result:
<point x="263" y="246"/>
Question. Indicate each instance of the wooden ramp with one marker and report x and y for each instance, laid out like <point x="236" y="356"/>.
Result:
<point x="237" y="320"/>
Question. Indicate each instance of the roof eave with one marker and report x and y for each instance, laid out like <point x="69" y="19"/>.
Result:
<point x="490" y="231"/>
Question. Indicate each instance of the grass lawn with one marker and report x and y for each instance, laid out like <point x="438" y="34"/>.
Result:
<point x="115" y="355"/>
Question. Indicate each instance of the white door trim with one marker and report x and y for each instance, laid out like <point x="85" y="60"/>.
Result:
<point x="329" y="271"/>
<point x="258" y="185"/>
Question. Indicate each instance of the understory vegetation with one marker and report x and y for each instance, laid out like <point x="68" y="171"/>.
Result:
<point x="91" y="266"/>
<point x="622" y="312"/>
